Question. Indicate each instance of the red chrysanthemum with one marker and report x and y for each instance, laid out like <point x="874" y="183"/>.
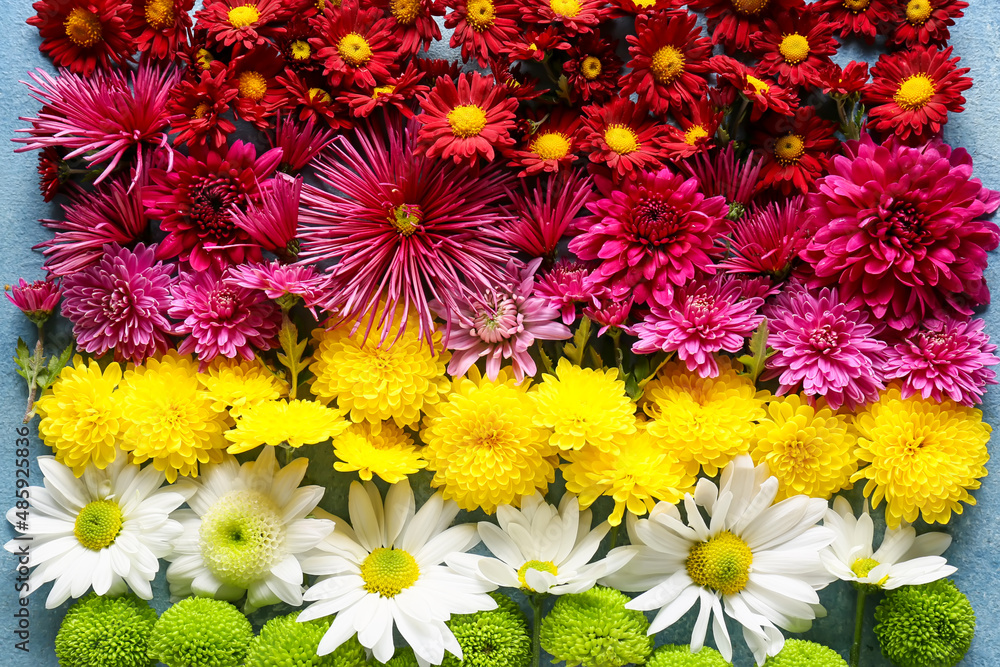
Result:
<point x="572" y="17"/>
<point x="84" y="34"/>
<point x="795" y="48"/>
<point x="925" y="22"/>
<point x="767" y="240"/>
<point x="912" y="92"/>
<point x="198" y="107"/>
<point x="552" y="147"/>
<point x="863" y="18"/>
<point x="795" y="149"/>
<point x="466" y="121"/>
<point x="482" y="28"/>
<point x="697" y="130"/>
<point x="845" y="82"/>
<point x="308" y="99"/>
<point x="763" y="94"/>
<point x="623" y="136"/>
<point x="733" y="22"/>
<point x="515" y="81"/>
<point x="259" y="93"/>
<point x="544" y="213"/>
<point x="160" y="27"/>
<point x="395" y="93"/>
<point x="620" y="8"/>
<point x="669" y="55"/>
<point x="592" y="68"/>
<point x="53" y="172"/>
<point x="355" y="45"/>
<point x="413" y="23"/>
<point x="242" y="24"/>
<point x="536" y="45"/>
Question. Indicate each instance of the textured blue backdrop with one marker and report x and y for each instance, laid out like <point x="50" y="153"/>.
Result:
<point x="976" y="547"/>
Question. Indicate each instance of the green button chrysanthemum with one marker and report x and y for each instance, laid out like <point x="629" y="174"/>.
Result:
<point x="801" y="653"/>
<point x="113" y="632"/>
<point x="201" y="632"/>
<point x="930" y="625"/>
<point x="594" y="629"/>
<point x="673" y="655"/>
<point x="496" y="638"/>
<point x="284" y="642"/>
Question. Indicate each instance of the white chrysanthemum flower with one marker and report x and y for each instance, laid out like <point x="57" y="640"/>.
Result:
<point x="246" y="532"/>
<point x="387" y="572"/>
<point x="903" y="558"/>
<point x="106" y="530"/>
<point x="542" y="549"/>
<point x="756" y="561"/>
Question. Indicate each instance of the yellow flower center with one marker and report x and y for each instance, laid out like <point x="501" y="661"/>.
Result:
<point x="694" y="133"/>
<point x="565" y="8"/>
<point x="856" y="5"/>
<point x="667" y="65"/>
<point x="541" y="565"/>
<point x="243" y="16"/>
<point x="382" y="90"/>
<point x="300" y="50"/>
<point x="406" y="219"/>
<point x="862" y="566"/>
<point x="252" y="85"/>
<point x="645" y="4"/>
<point x="759" y="86"/>
<point x="722" y="563"/>
<point x="319" y="95"/>
<point x="201" y="110"/>
<point x="749" y="7"/>
<point x="479" y="14"/>
<point x="918" y="11"/>
<point x="83" y="27"/>
<point x="550" y="145"/>
<point x="794" y="48"/>
<point x="789" y="148"/>
<point x="621" y="139"/>
<point x="354" y="49"/>
<point x="467" y="120"/>
<point x="98" y="524"/>
<point x="160" y="14"/>
<point x="389" y="571"/>
<point x="204" y="58"/>
<point x="405" y="11"/>
<point x="914" y="92"/>
<point x="590" y="68"/>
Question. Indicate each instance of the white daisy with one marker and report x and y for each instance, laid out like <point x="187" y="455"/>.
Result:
<point x="903" y="559"/>
<point x="246" y="531"/>
<point x="756" y="561"/>
<point x="106" y="530"/>
<point x="387" y="572"/>
<point x="542" y="549"/>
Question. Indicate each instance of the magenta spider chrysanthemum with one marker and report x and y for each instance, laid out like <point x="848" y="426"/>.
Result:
<point x="825" y="347"/>
<point x="500" y="322"/>
<point x="120" y="304"/>
<point x="768" y="240"/>
<point x="565" y="285"/>
<point x="279" y="281"/>
<point x="299" y="142"/>
<point x="944" y="360"/>
<point x="704" y="317"/>
<point x="222" y="318"/>
<point x="723" y="174"/>
<point x="543" y="214"/>
<point x="404" y="228"/>
<point x="272" y="221"/>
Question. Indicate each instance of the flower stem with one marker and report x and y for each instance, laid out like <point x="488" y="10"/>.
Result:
<point x="536" y="630"/>
<point x="859" y="624"/>
<point x="614" y="537"/>
<point x="33" y="386"/>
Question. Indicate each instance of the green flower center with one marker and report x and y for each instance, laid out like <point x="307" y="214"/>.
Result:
<point x="242" y="536"/>
<point x="389" y="571"/>
<point x="722" y="563"/>
<point x="98" y="524"/>
<point x="541" y="565"/>
<point x="406" y="219"/>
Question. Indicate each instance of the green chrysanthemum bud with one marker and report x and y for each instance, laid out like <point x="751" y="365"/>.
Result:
<point x="110" y="632"/>
<point x="201" y="632"/>
<point x="284" y="642"/>
<point x="930" y="625"/>
<point x="800" y="653"/>
<point x="403" y="657"/>
<point x="496" y="638"/>
<point x="594" y="629"/>
<point x="673" y="655"/>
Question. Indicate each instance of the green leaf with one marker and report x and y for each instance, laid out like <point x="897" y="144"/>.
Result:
<point x="49" y="374"/>
<point x="546" y="360"/>
<point x="759" y="353"/>
<point x="595" y="357"/>
<point x="574" y="351"/>
<point x="291" y="354"/>
<point x="24" y="362"/>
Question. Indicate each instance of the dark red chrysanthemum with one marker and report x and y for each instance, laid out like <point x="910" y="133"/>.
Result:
<point x="912" y="92"/>
<point x="845" y="82"/>
<point x="53" y="172"/>
<point x="669" y="57"/>
<point x="84" y="34"/>
<point x="698" y="125"/>
<point x="795" y="48"/>
<point x="592" y="68"/>
<point x="863" y="18"/>
<point x="355" y="45"/>
<point x="623" y="136"/>
<point x="242" y="24"/>
<point x="925" y="22"/>
<point x="620" y="8"/>
<point x="306" y="96"/>
<point x="763" y="94"/>
<point x="295" y="48"/>
<point x="795" y="149"/>
<point x="536" y="45"/>
<point x="482" y="28"/>
<point x="259" y="93"/>
<point x="572" y="17"/>
<point x="515" y="81"/>
<point x="413" y="24"/>
<point x="160" y="27"/>
<point x="552" y="147"/>
<point x="395" y="93"/>
<point x="734" y="22"/>
<point x="199" y="106"/>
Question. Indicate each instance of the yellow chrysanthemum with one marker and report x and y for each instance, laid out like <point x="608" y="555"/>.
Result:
<point x="80" y="417"/>
<point x="372" y="383"/>
<point x="707" y="421"/>
<point x="390" y="453"/>
<point x="810" y="450"/>
<point x="294" y="422"/>
<point x="641" y="473"/>
<point x="236" y="384"/>
<point x="583" y="406"/>
<point x="483" y="445"/>
<point x="924" y="456"/>
<point x="168" y="418"/>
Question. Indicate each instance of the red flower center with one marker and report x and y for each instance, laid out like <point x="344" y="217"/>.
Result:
<point x="899" y="224"/>
<point x="83" y="27"/>
<point x="655" y="223"/>
<point x="210" y="203"/>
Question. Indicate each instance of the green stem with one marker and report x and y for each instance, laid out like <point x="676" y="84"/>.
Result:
<point x="737" y="119"/>
<point x="536" y="630"/>
<point x="859" y="624"/>
<point x="614" y="537"/>
<point x="33" y="386"/>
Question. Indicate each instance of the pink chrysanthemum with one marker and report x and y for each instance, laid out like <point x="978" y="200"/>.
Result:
<point x="824" y="347"/>
<point x="565" y="285"/>
<point x="36" y="299"/>
<point x="704" y="318"/>
<point x="500" y="322"/>
<point x="544" y="213"/>
<point x="279" y="281"/>
<point x="271" y="221"/>
<point x="610" y="313"/>
<point x="898" y="231"/>
<point x="300" y="143"/>
<point x="768" y="240"/>
<point x="355" y="44"/>
<point x="655" y="234"/>
<point x="723" y="174"/>
<point x="119" y="304"/>
<point x="944" y="360"/>
<point x="84" y="34"/>
<point x="222" y="318"/>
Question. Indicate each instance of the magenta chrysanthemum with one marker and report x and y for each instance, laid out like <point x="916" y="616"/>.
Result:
<point x="724" y="174"/>
<point x="944" y="360"/>
<point x="610" y="313"/>
<point x="704" y="317"/>
<point x="300" y="143"/>
<point x="272" y="221"/>
<point x="768" y="240"/>
<point x="898" y="231"/>
<point x="278" y="280"/>
<point x="119" y="303"/>
<point x="543" y="214"/>
<point x="221" y="318"/>
<point x="653" y="235"/>
<point x="36" y="299"/>
<point x="825" y="347"/>
<point x="565" y="285"/>
<point x="498" y="323"/>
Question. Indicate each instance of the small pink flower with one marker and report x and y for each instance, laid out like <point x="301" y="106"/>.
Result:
<point x="279" y="281"/>
<point x="611" y="313"/>
<point x="565" y="285"/>
<point x="36" y="299"/>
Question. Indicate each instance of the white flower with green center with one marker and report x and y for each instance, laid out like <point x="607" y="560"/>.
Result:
<point x="758" y="562"/>
<point x="105" y="530"/>
<point x="387" y="572"/>
<point x="903" y="559"/>
<point x="542" y="549"/>
<point x="246" y="532"/>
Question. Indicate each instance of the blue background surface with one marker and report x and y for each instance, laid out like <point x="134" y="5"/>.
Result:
<point x="976" y="547"/>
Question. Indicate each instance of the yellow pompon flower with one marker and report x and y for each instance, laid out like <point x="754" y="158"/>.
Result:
<point x="237" y="384"/>
<point x="80" y="417"/>
<point x="168" y="418"/>
<point x="374" y="384"/>
<point x="294" y="422"/>
<point x="483" y="445"/>
<point x="641" y="473"/>
<point x="809" y="450"/>
<point x="583" y="406"/>
<point x="390" y="453"/>
<point x="924" y="456"/>
<point x="707" y="421"/>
